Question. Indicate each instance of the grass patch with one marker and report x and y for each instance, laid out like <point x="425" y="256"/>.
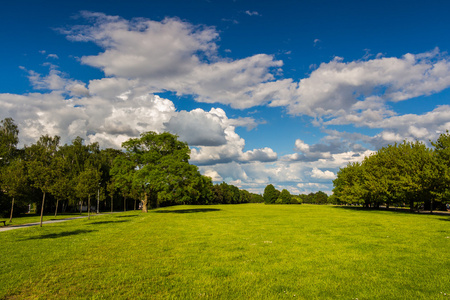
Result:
<point x="249" y="251"/>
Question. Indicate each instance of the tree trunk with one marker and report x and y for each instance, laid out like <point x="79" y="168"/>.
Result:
<point x="411" y="205"/>
<point x="81" y="207"/>
<point x="431" y="206"/>
<point x="12" y="208"/>
<point x="112" y="196"/>
<point x="124" y="203"/>
<point x="89" y="207"/>
<point x="42" y="207"/>
<point x="98" y="200"/>
<point x="134" y="203"/>
<point x="144" y="203"/>
<point x="56" y="210"/>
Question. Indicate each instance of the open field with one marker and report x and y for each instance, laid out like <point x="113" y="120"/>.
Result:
<point x="250" y="251"/>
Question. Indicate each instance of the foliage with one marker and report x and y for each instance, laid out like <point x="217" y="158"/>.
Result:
<point x="399" y="174"/>
<point x="285" y="197"/>
<point x="270" y="194"/>
<point x="9" y="138"/>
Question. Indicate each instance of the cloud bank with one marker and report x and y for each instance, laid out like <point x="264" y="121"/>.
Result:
<point x="142" y="58"/>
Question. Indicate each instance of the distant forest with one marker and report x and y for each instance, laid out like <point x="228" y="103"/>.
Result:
<point x="407" y="174"/>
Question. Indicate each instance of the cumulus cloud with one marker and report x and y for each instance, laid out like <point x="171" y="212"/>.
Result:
<point x="228" y="150"/>
<point x="198" y="128"/>
<point x="173" y="55"/>
<point x="319" y="174"/>
<point x="358" y="90"/>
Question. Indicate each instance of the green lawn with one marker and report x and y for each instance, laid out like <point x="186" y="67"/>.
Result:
<point x="247" y="251"/>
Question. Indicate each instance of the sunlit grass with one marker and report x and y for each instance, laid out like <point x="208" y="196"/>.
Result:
<point x="249" y="251"/>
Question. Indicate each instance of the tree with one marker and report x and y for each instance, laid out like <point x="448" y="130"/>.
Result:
<point x="122" y="173"/>
<point x="285" y="197"/>
<point x="270" y="194"/>
<point x="40" y="168"/>
<point x="14" y="181"/>
<point x="88" y="184"/>
<point x="348" y="185"/>
<point x="9" y="138"/>
<point x="159" y="161"/>
<point x="321" y="198"/>
<point x="442" y="164"/>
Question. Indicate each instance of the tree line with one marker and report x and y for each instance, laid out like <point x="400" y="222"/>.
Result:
<point x="150" y="171"/>
<point x="407" y="174"/>
<point x="273" y="196"/>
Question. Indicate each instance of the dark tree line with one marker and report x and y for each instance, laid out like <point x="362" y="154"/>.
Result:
<point x="407" y="174"/>
<point x="151" y="171"/>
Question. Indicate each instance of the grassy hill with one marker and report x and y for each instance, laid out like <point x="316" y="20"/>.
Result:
<point x="251" y="251"/>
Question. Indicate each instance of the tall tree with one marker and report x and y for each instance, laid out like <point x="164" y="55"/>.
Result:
<point x="159" y="160"/>
<point x="14" y="181"/>
<point x="9" y="138"/>
<point x="442" y="163"/>
<point x="285" y="197"/>
<point x="270" y="194"/>
<point x="88" y="184"/>
<point x="40" y="166"/>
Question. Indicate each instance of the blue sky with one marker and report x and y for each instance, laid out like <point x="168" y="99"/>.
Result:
<point x="281" y="92"/>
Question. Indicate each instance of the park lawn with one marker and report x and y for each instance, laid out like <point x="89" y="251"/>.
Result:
<point x="251" y="251"/>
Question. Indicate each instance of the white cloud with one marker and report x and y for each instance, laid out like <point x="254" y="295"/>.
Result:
<point x="252" y="13"/>
<point x="178" y="56"/>
<point x="198" y="128"/>
<point x="319" y="174"/>
<point x="229" y="149"/>
<point x="213" y="175"/>
<point x="344" y="89"/>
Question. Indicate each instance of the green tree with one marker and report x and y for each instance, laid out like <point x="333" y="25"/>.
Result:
<point x="349" y="184"/>
<point x="41" y="165"/>
<point x="320" y="198"/>
<point x="14" y="181"/>
<point x="9" y="138"/>
<point x="442" y="164"/>
<point x="270" y="194"/>
<point x="285" y="197"/>
<point x="159" y="161"/>
<point x="88" y="184"/>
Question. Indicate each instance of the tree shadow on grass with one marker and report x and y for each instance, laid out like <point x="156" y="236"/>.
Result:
<point x="395" y="210"/>
<point x="131" y="216"/>
<point x="187" y="211"/>
<point x="61" y="234"/>
<point x="108" y="222"/>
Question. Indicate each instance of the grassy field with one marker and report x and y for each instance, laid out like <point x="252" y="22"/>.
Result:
<point x="248" y="251"/>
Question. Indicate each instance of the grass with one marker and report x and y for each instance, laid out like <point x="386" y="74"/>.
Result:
<point x="250" y="251"/>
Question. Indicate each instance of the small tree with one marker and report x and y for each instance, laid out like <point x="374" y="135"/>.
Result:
<point x="270" y="194"/>
<point x="14" y="181"/>
<point x="40" y="167"/>
<point x="285" y="197"/>
<point x="88" y="183"/>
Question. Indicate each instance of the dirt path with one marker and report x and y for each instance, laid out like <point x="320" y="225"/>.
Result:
<point x="6" y="228"/>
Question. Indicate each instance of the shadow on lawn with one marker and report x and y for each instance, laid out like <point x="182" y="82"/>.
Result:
<point x="395" y="210"/>
<point x="108" y="222"/>
<point x="61" y="234"/>
<point x="187" y="211"/>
